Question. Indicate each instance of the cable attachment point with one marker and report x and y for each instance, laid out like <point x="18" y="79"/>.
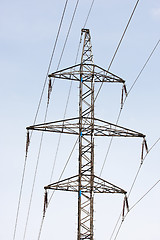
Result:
<point x="27" y="142"/>
<point x="125" y="205"/>
<point x="144" y="148"/>
<point x="49" y="89"/>
<point x="124" y="91"/>
<point x="45" y="202"/>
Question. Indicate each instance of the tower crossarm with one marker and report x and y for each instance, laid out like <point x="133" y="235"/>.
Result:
<point x="102" y="186"/>
<point x="88" y="71"/>
<point x="99" y="185"/>
<point x="68" y="184"/>
<point x="101" y="128"/>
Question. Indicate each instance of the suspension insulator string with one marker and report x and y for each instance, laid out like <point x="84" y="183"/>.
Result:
<point x="142" y="151"/>
<point x="49" y="89"/>
<point x="45" y="202"/>
<point x="122" y="98"/>
<point x="27" y="143"/>
<point x="125" y="205"/>
<point x="144" y="147"/>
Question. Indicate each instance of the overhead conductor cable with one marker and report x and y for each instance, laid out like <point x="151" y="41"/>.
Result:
<point x="27" y="144"/>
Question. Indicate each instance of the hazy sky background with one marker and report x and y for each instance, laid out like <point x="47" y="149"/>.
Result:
<point x="27" y="33"/>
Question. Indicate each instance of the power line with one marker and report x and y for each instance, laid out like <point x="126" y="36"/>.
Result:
<point x="50" y="62"/>
<point x="121" y="212"/>
<point x="115" y="226"/>
<point x="24" y="168"/>
<point x="145" y="64"/>
<point x="20" y="196"/>
<point x="75" y="9"/>
<point x="144" y="195"/>
<point x="136" y="176"/>
<point x="42" y="221"/>
<point x="88" y="14"/>
<point x="132" y="188"/>
<point x="115" y="53"/>
<point x="135" y="205"/>
<point x="41" y="140"/>
<point x="35" y="174"/>
<point x="123" y="35"/>
<point x="117" y="122"/>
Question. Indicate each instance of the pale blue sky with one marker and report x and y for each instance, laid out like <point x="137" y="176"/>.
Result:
<point x="27" y="33"/>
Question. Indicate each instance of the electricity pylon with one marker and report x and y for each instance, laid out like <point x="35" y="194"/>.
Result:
<point x="86" y="127"/>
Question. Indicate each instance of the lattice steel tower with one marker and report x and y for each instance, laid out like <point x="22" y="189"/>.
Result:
<point x="87" y="127"/>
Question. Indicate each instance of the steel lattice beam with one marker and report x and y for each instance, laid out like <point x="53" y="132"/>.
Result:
<point x="100" y="74"/>
<point x="101" y="128"/>
<point x="99" y="185"/>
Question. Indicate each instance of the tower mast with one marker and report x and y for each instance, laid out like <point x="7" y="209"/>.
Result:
<point x="86" y="127"/>
<point x="86" y="143"/>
